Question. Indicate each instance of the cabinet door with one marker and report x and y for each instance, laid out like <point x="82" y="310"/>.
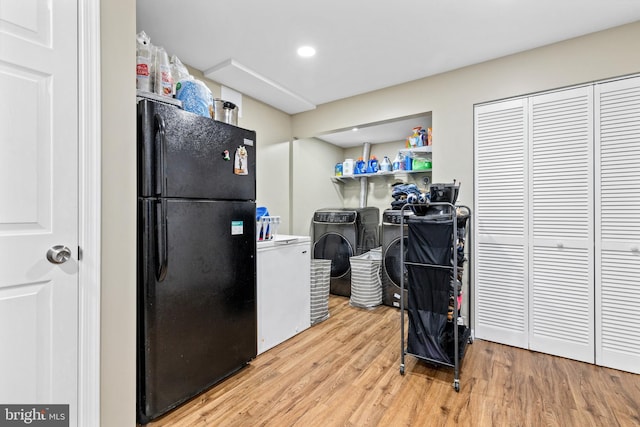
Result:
<point x="561" y="255"/>
<point x="618" y="224"/>
<point x="501" y="310"/>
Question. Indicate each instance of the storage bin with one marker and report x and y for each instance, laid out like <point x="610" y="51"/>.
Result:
<point x="267" y="227"/>
<point x="320" y="284"/>
<point x="447" y="193"/>
<point x="366" y="283"/>
<point x="420" y="164"/>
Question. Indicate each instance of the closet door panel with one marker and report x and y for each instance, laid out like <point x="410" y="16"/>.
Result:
<point x="561" y="255"/>
<point x="500" y="222"/>
<point x="618" y="224"/>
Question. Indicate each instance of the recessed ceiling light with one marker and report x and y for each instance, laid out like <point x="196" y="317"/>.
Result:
<point x="355" y="129"/>
<point x="306" y="51"/>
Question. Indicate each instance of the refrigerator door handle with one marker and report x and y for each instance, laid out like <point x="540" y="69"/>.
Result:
<point x="160" y="165"/>
<point x="163" y="256"/>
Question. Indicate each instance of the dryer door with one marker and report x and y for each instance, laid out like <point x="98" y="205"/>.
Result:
<point x="337" y="248"/>
<point x="392" y="260"/>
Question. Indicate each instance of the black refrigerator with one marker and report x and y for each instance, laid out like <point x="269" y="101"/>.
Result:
<point x="196" y="248"/>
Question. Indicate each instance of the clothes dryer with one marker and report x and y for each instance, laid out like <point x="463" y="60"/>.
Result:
<point x="339" y="234"/>
<point x="392" y="266"/>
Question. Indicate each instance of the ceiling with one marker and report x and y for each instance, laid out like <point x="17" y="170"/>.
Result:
<point x="362" y="45"/>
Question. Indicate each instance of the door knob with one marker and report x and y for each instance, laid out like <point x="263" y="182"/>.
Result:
<point x="58" y="254"/>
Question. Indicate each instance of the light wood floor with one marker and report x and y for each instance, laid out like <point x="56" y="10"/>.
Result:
<point x="345" y="372"/>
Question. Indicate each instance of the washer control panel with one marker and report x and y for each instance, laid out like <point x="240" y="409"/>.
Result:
<point x="332" y="217"/>
<point x="393" y="216"/>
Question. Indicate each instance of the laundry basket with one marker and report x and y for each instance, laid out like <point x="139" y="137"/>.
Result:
<point x="366" y="283"/>
<point x="320" y="284"/>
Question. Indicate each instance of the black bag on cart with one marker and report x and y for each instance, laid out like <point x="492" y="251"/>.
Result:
<point x="429" y="287"/>
<point x="427" y="311"/>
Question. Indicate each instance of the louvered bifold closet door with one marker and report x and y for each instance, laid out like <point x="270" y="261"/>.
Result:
<point x="561" y="254"/>
<point x="618" y="224"/>
<point x="500" y="222"/>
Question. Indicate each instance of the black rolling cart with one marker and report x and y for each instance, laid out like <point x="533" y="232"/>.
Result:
<point x="434" y="261"/>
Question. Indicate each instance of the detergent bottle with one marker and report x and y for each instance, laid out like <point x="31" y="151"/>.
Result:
<point x="398" y="162"/>
<point x="372" y="167"/>
<point x="385" y="165"/>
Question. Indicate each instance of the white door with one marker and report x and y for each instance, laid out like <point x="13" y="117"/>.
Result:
<point x="501" y="227"/>
<point x="561" y="254"/>
<point x="38" y="202"/>
<point x="618" y="224"/>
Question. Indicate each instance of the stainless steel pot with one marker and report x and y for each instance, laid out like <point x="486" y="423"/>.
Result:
<point x="225" y="111"/>
<point x="230" y="113"/>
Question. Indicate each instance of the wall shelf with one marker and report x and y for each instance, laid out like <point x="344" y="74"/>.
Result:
<point x="423" y="149"/>
<point x="394" y="174"/>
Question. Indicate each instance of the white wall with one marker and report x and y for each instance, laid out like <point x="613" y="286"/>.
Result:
<point x="118" y="276"/>
<point x="450" y="96"/>
<point x="312" y="165"/>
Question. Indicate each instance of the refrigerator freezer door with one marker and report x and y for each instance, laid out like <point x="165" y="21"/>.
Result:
<point x="185" y="155"/>
<point x="197" y="321"/>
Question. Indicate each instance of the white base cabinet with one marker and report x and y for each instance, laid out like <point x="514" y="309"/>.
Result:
<point x="284" y="289"/>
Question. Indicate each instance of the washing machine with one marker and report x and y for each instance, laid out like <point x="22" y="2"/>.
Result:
<point x="392" y="268"/>
<point x="340" y="233"/>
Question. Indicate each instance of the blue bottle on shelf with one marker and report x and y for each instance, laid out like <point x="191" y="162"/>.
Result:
<point x="373" y="165"/>
<point x="398" y="163"/>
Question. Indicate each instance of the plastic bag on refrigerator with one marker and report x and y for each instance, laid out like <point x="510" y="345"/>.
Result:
<point x="178" y="70"/>
<point x="195" y="96"/>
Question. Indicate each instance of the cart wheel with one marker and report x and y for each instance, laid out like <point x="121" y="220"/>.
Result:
<point x="401" y="369"/>
<point x="456" y="385"/>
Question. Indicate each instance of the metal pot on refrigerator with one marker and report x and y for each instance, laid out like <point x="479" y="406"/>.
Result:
<point x="225" y="111"/>
<point x="230" y="113"/>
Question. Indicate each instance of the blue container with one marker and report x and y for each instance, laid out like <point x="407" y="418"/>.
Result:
<point x="261" y="211"/>
<point x="408" y="163"/>
<point x="373" y="166"/>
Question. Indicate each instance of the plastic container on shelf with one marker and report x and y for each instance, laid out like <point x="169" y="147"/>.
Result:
<point x="385" y="165"/>
<point x="408" y="162"/>
<point x="421" y="164"/>
<point x="163" y="82"/>
<point x="398" y="163"/>
<point x="415" y="140"/>
<point x="373" y="165"/>
<point x="347" y="167"/>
